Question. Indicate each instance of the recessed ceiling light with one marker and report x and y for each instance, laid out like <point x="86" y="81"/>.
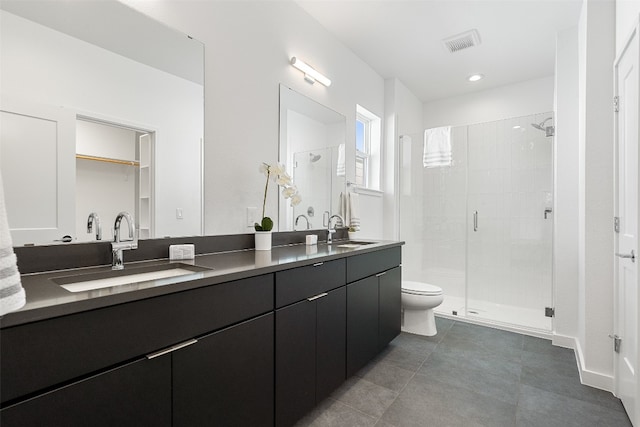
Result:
<point x="475" y="77"/>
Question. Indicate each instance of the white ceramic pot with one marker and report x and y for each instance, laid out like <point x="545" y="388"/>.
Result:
<point x="352" y="235"/>
<point x="263" y="240"/>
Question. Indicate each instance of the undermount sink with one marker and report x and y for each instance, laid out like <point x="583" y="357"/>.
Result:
<point x="161" y="274"/>
<point x="351" y="244"/>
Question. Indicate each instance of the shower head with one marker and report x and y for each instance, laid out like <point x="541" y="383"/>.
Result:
<point x="314" y="157"/>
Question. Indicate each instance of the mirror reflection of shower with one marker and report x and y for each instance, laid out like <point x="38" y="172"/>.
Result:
<point x="548" y="130"/>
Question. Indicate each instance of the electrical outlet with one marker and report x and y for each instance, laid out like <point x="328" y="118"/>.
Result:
<point x="252" y="212"/>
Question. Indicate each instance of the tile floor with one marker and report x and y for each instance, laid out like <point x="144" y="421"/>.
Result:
<point x="469" y="375"/>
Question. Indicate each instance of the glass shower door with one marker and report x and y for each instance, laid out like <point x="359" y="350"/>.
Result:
<point x="509" y="223"/>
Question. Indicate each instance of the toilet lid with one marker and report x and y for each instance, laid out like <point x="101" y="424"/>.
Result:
<point x="419" y="288"/>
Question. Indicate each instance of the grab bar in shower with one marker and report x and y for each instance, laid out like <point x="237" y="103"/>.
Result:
<point x="475" y="221"/>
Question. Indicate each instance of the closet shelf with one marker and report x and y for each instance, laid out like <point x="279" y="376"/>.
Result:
<point x="108" y="160"/>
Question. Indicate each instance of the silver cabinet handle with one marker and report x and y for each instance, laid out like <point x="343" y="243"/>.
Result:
<point x="324" y="294"/>
<point x="475" y="221"/>
<point x="632" y="255"/>
<point x="318" y="264"/>
<point x="171" y="349"/>
<point x="381" y="274"/>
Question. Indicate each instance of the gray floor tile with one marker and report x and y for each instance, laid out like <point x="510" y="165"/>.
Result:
<point x="478" y="359"/>
<point x="488" y="336"/>
<point x="463" y="375"/>
<point x="401" y="357"/>
<point x="477" y="348"/>
<point x="567" y="367"/>
<point x="331" y="413"/>
<point x="549" y="380"/>
<point x="565" y="410"/>
<point x="386" y="375"/>
<point x="426" y="401"/>
<point x="544" y="347"/>
<point x="365" y="396"/>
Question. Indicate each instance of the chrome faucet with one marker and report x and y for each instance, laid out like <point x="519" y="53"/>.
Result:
<point x="330" y="231"/>
<point x="117" y="246"/>
<point x="94" y="219"/>
<point x="305" y="218"/>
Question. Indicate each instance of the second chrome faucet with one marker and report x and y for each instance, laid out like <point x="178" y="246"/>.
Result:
<point x="117" y="246"/>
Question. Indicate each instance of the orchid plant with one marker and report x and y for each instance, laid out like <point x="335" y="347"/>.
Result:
<point x="278" y="174"/>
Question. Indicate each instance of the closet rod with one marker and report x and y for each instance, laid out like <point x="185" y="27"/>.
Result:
<point x="108" y="160"/>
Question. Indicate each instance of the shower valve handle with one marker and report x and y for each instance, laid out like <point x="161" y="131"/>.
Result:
<point x="475" y="221"/>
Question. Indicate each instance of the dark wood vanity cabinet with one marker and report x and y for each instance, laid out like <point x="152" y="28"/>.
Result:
<point x="373" y="305"/>
<point x="136" y="394"/>
<point x="310" y="338"/>
<point x="226" y="378"/>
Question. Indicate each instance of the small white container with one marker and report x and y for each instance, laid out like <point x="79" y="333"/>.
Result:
<point x="263" y="240"/>
<point x="311" y="239"/>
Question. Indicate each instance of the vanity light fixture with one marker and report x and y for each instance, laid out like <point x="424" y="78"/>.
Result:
<point x="475" y="77"/>
<point x="310" y="74"/>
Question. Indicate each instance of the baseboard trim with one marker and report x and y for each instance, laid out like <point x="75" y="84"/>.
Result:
<point x="587" y="377"/>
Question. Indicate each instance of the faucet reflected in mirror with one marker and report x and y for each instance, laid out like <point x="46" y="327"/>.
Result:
<point x="118" y="246"/>
<point x="94" y="219"/>
<point x="298" y="219"/>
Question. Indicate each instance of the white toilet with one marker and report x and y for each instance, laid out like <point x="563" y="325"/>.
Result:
<point x="418" y="301"/>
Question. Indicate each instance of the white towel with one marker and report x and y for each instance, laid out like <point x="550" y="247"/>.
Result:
<point x="341" y="169"/>
<point x="12" y="295"/>
<point x="437" y="147"/>
<point x="349" y="209"/>
<point x="354" y="211"/>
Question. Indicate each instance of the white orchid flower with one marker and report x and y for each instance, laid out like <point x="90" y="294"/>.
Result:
<point x="295" y="200"/>
<point x="288" y="192"/>
<point x="283" y="180"/>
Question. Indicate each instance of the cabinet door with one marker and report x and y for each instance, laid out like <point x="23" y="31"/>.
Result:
<point x="362" y="323"/>
<point x="295" y="361"/>
<point x="137" y="394"/>
<point x="226" y="378"/>
<point x="331" y="342"/>
<point x="390" y="288"/>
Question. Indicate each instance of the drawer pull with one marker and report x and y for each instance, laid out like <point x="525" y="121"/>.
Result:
<point x="381" y="274"/>
<point x="324" y="294"/>
<point x="318" y="264"/>
<point x="171" y="349"/>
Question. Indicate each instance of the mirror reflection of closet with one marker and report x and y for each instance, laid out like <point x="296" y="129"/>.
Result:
<point x="114" y="173"/>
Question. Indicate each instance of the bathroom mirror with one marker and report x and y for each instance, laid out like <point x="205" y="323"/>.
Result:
<point x="312" y="141"/>
<point x="100" y="62"/>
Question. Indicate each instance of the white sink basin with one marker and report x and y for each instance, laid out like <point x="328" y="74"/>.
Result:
<point x="93" y="281"/>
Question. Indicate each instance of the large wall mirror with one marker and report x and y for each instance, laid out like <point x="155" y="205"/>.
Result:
<point x="312" y="147"/>
<point x="101" y="110"/>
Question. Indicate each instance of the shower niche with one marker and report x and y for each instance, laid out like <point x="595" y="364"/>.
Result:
<point x="485" y="223"/>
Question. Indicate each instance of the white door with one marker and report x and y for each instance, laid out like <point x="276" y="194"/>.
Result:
<point x="626" y="281"/>
<point x="37" y="161"/>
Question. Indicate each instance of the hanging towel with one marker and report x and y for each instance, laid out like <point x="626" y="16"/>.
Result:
<point x="354" y="211"/>
<point x="437" y="147"/>
<point x="348" y="209"/>
<point x="341" y="168"/>
<point x="12" y="295"/>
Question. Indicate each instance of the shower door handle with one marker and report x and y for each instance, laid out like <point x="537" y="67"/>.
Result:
<point x="475" y="221"/>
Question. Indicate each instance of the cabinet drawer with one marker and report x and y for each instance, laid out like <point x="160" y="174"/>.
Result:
<point x="361" y="266"/>
<point x="42" y="354"/>
<point x="304" y="282"/>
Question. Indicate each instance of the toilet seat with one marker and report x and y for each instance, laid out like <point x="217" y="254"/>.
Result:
<point x="419" y="288"/>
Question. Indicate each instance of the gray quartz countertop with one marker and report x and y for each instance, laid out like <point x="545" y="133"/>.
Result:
<point x="47" y="299"/>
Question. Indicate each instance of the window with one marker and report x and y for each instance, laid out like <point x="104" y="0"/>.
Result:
<point x="367" y="149"/>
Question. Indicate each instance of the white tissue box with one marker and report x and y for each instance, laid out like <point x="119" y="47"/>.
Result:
<point x="177" y="252"/>
<point x="311" y="239"/>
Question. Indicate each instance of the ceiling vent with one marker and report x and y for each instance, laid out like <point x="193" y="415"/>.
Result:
<point x="462" y="41"/>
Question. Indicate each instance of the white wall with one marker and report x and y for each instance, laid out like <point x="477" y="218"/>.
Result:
<point x="63" y="71"/>
<point x="596" y="40"/>
<point x="248" y="47"/>
<point x="627" y="15"/>
<point x="566" y="177"/>
<point x="516" y="100"/>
